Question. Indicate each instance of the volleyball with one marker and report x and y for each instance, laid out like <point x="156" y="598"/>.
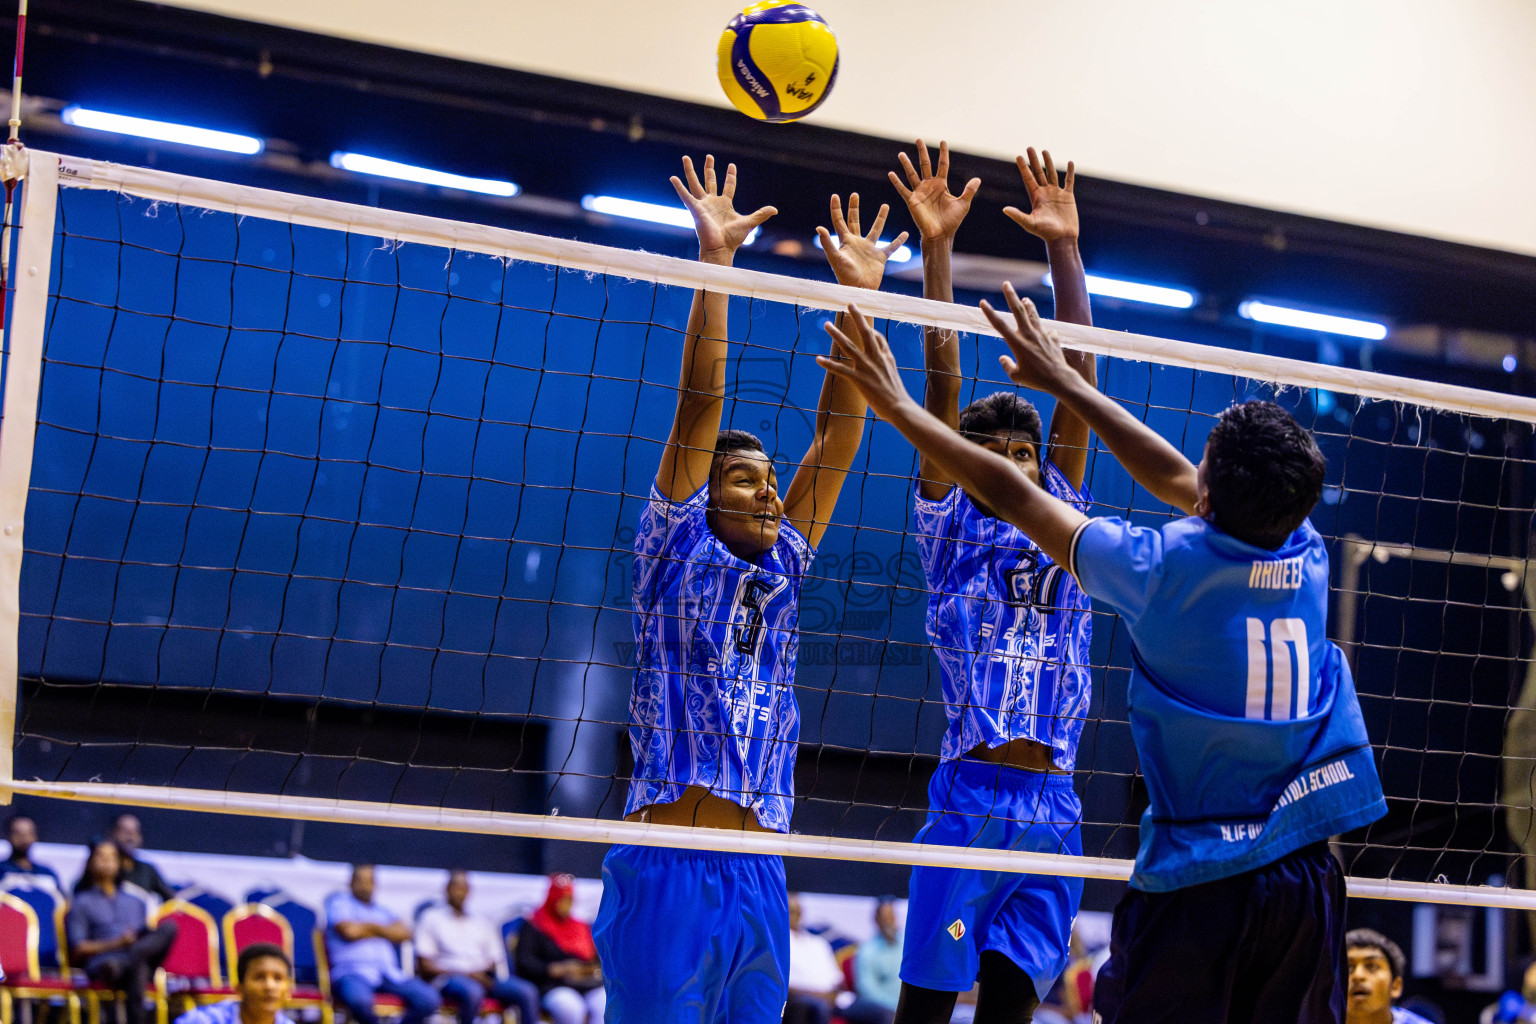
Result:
<point x="777" y="60"/>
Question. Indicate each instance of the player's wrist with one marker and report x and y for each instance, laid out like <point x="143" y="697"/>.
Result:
<point x="720" y="256"/>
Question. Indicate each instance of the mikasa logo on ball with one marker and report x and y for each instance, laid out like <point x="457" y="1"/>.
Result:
<point x="752" y="83"/>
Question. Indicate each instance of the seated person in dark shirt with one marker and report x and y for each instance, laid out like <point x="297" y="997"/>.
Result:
<point x="555" y="952"/>
<point x="21" y="831"/>
<point x="126" y="832"/>
<point x="108" y="933"/>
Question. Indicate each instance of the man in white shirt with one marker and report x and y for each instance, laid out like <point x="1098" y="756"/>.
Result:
<point x="460" y="952"/>
<point x="814" y="974"/>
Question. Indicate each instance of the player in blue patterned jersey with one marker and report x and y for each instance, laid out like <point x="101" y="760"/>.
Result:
<point x="1011" y="630"/>
<point x="688" y="935"/>
<point x="1244" y="716"/>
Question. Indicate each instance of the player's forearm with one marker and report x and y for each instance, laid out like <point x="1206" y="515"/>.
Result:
<point x="1069" y="287"/>
<point x="941" y="348"/>
<point x="1069" y="282"/>
<point x="1152" y="462"/>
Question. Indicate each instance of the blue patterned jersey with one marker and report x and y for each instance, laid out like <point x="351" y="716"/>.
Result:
<point x="714" y="700"/>
<point x="1010" y="627"/>
<point x="1244" y="714"/>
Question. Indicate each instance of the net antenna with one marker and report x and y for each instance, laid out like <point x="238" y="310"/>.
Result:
<point x="272" y="336"/>
<point x="11" y="163"/>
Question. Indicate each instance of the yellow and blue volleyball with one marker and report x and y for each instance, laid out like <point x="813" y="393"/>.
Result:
<point x="777" y="60"/>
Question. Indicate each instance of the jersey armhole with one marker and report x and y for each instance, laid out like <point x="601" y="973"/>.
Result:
<point x="1077" y="536"/>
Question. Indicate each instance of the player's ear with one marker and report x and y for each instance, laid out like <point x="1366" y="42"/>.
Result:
<point x="1397" y="988"/>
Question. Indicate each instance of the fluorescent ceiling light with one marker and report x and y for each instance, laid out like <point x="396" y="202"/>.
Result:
<point x="1285" y="316"/>
<point x="902" y="254"/>
<point x="1135" y="291"/>
<point x="650" y="213"/>
<point x="358" y="163"/>
<point x="161" y="131"/>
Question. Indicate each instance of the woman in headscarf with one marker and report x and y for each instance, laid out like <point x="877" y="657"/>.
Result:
<point x="556" y="953"/>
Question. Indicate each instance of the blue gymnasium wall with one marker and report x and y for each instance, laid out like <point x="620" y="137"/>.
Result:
<point x="435" y="512"/>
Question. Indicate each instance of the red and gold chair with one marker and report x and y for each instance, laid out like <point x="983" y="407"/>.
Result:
<point x="24" y="978"/>
<point x="190" y="974"/>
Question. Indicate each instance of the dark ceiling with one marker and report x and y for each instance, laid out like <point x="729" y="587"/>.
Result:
<point x="560" y="139"/>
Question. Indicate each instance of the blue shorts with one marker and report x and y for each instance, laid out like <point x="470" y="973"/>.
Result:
<point x="1265" y="946"/>
<point x="693" y="936"/>
<point x="953" y="915"/>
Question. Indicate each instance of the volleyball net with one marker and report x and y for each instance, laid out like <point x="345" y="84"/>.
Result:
<point x="313" y="510"/>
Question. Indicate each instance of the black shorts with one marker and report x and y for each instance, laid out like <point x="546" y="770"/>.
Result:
<point x="1263" y="946"/>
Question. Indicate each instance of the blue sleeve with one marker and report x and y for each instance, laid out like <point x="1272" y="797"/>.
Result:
<point x="936" y="535"/>
<point x="1117" y="563"/>
<point x="335" y="911"/>
<point x="665" y="527"/>
<point x="75" y="925"/>
<point x="1058" y="486"/>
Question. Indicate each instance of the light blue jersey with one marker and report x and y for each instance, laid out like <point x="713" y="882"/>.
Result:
<point x="714" y="702"/>
<point x="1011" y="628"/>
<point x="1244" y="714"/>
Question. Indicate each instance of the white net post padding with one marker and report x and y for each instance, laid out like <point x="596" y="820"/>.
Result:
<point x="24" y="334"/>
<point x="36" y="240"/>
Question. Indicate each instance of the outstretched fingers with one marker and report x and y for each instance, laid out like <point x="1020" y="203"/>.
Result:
<point x="692" y="178"/>
<point x="709" y="174"/>
<point x="760" y="215"/>
<point x="1050" y="171"/>
<point x="971" y="188"/>
<point x="1071" y="175"/>
<point x="853" y="214"/>
<point x="686" y="196"/>
<point x="923" y="162"/>
<point x="838" y="223"/>
<point x="901" y="189"/>
<point x="879" y="225"/>
<point x="895" y="243"/>
<point x="729" y="188"/>
<point x="906" y="165"/>
<point x="942" y="170"/>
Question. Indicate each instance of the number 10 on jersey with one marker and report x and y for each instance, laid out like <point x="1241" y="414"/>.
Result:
<point x="1277" y="666"/>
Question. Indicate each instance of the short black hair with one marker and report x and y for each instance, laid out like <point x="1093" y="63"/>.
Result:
<point x="1370" y="938"/>
<point x="1001" y="410"/>
<point x="731" y="441"/>
<point x="1264" y="473"/>
<point x="256" y="951"/>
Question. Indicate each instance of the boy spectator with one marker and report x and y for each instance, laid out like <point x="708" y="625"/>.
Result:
<point x="361" y="937"/>
<point x="1375" y="980"/>
<point x="264" y="978"/>
<point x="128" y="834"/>
<point x="458" y="952"/>
<point x="108" y="931"/>
<point x="21" y="831"/>
<point x="814" y="976"/>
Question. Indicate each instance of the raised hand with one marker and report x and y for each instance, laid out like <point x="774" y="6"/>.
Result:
<point x="935" y="210"/>
<point x="857" y="259"/>
<point x="861" y="356"/>
<point x="721" y="229"/>
<point x="1052" y="212"/>
<point x="1038" y="361"/>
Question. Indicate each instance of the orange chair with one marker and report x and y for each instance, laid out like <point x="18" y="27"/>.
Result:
<point x="255" y="922"/>
<point x="24" y="979"/>
<point x="191" y="972"/>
